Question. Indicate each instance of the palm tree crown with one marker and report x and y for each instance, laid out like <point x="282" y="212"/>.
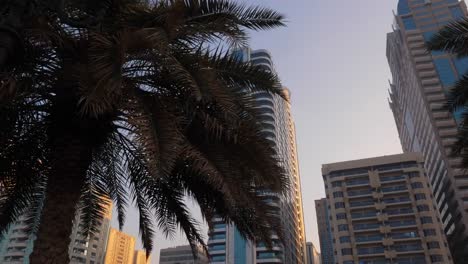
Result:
<point x="137" y="101"/>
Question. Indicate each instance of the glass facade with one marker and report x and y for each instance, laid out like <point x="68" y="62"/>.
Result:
<point x="420" y="85"/>
<point x="446" y="74"/>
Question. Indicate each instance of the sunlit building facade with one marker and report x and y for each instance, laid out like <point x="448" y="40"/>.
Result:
<point x="382" y="212"/>
<point x="120" y="248"/>
<point x="140" y="257"/>
<point x="226" y="245"/>
<point x="418" y="91"/>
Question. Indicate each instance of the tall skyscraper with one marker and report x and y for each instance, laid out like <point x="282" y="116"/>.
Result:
<point x="418" y="91"/>
<point x="324" y="230"/>
<point x="17" y="244"/>
<point x="226" y="245"/>
<point x="90" y="249"/>
<point x="182" y="255"/>
<point x="313" y="256"/>
<point x="120" y="248"/>
<point x="382" y="211"/>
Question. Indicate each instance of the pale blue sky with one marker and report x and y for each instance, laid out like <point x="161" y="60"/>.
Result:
<point x="332" y="58"/>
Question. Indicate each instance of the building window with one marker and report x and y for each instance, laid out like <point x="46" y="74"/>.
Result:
<point x="417" y="185"/>
<point x="336" y="184"/>
<point x="346" y="251"/>
<point x="461" y="65"/>
<point x="445" y="71"/>
<point x="337" y="194"/>
<point x="457" y="12"/>
<point x="403" y="7"/>
<point x="429" y="232"/>
<point x="436" y="258"/>
<point x="433" y="244"/>
<point x="343" y="228"/>
<point x="426" y="220"/>
<point x="413" y="174"/>
<point x="345" y="239"/>
<point x="340" y="216"/>
<point x="420" y="196"/>
<point x="427" y="37"/>
<point x="339" y="205"/>
<point x="423" y="208"/>
<point x="408" y="23"/>
<point x="218" y="258"/>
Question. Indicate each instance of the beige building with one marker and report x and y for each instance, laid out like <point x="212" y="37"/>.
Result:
<point x="120" y="248"/>
<point x="182" y="255"/>
<point x="90" y="249"/>
<point x="313" y="256"/>
<point x="140" y="257"/>
<point x="382" y="211"/>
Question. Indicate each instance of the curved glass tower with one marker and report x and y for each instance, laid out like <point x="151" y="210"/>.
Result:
<point x="418" y="92"/>
<point x="225" y="243"/>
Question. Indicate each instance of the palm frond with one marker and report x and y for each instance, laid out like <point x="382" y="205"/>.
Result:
<point x="458" y="95"/>
<point x="452" y="38"/>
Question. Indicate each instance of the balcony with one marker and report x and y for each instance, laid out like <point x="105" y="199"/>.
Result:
<point x="401" y="223"/>
<point x="393" y="189"/>
<point x="408" y="247"/>
<point x="400" y="211"/>
<point x="366" y="227"/>
<point x="368" y="238"/>
<point x="364" y="215"/>
<point x="371" y="251"/>
<point x="359" y="193"/>
<point x="392" y="178"/>
<point x="361" y="204"/>
<point x="397" y="200"/>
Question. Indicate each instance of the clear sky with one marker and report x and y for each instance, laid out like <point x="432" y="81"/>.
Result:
<point x="332" y="58"/>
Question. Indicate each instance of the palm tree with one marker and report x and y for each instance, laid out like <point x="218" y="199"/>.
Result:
<point x="139" y="102"/>
<point x="453" y="39"/>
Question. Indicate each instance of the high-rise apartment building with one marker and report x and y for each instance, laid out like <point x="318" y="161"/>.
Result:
<point x="17" y="244"/>
<point x="324" y="230"/>
<point x="90" y="249"/>
<point x="382" y="211"/>
<point x="418" y="92"/>
<point x="182" y="255"/>
<point x="226" y="245"/>
<point x="313" y="256"/>
<point x="120" y="248"/>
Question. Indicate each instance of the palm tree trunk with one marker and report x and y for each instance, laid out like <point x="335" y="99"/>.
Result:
<point x="71" y="158"/>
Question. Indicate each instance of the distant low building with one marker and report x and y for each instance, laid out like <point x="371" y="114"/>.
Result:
<point x="182" y="255"/>
<point x="313" y="256"/>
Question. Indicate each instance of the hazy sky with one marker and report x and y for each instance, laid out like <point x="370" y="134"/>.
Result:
<point x="332" y="58"/>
